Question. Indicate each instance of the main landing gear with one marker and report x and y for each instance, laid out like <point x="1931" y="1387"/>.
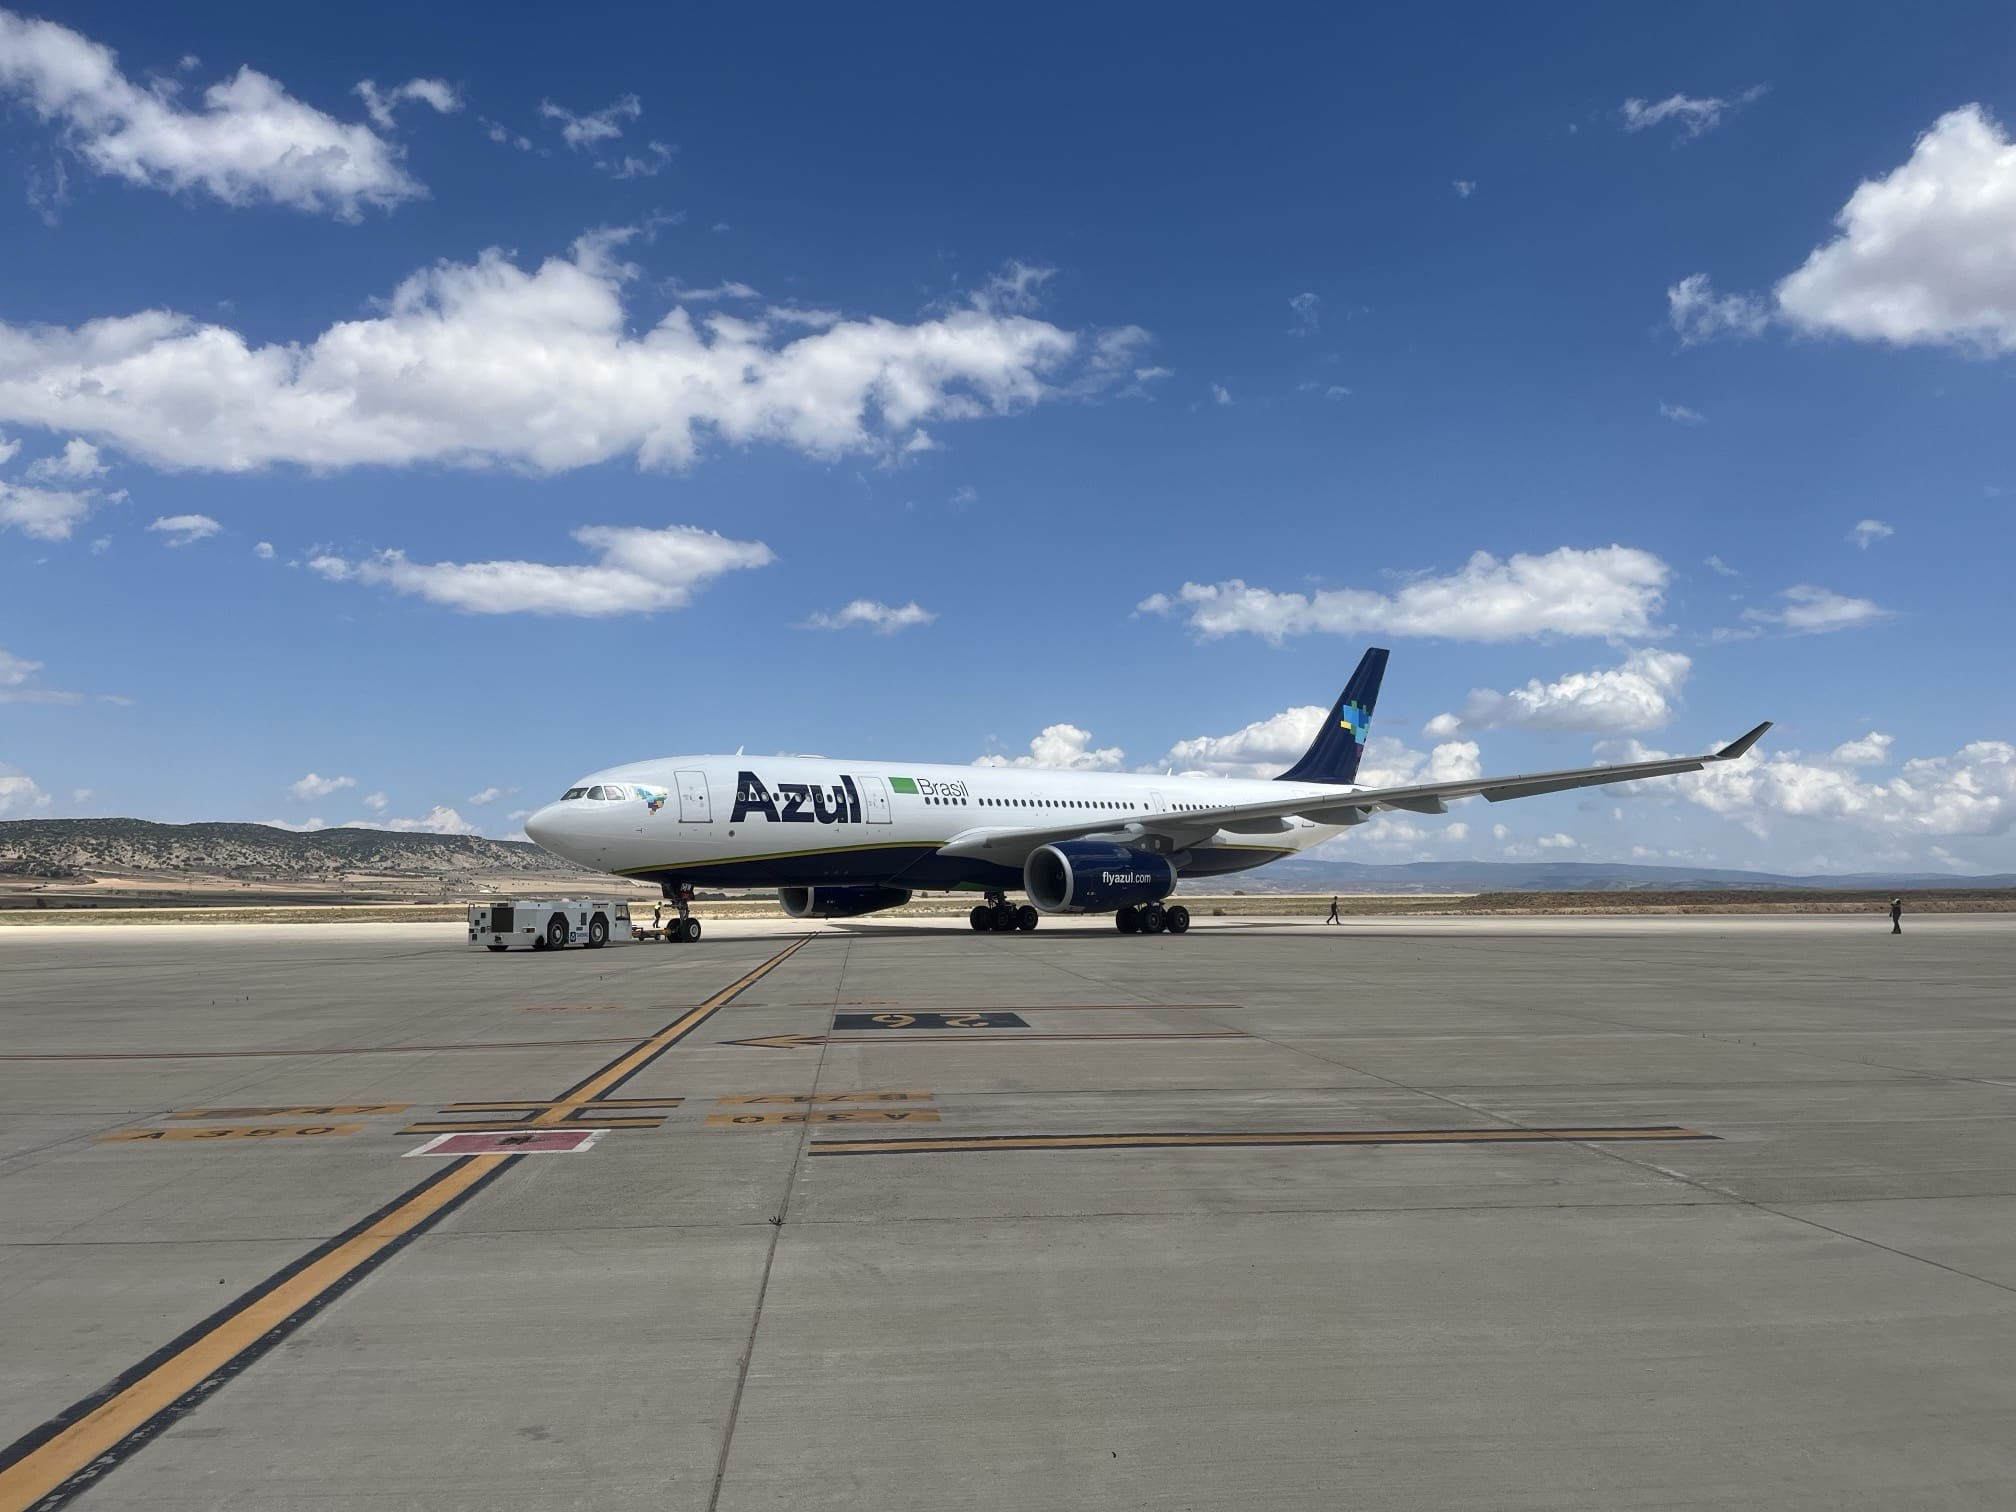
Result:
<point x="1153" y="918"/>
<point x="998" y="916"/>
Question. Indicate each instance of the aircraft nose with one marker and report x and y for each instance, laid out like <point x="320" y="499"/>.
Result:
<point x="542" y="827"/>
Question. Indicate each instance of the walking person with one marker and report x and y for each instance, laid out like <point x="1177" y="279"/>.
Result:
<point x="1896" y="916"/>
<point x="1333" y="919"/>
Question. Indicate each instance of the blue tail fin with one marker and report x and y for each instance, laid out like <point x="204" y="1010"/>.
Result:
<point x="1333" y="755"/>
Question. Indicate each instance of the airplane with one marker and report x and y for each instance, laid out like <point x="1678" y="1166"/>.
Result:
<point x="839" y="839"/>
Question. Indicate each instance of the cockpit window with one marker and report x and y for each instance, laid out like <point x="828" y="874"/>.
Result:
<point x="573" y="793"/>
<point x="613" y="794"/>
<point x="596" y="795"/>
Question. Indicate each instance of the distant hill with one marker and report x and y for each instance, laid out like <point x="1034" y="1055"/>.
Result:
<point x="63" y="848"/>
<point x="1561" y="876"/>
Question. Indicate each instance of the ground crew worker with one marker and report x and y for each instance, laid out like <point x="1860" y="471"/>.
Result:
<point x="1333" y="919"/>
<point x="1896" y="916"/>
<point x="657" y="915"/>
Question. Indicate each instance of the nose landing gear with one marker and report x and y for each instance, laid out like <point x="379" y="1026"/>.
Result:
<point x="685" y="929"/>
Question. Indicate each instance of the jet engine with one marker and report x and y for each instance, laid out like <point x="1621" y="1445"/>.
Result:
<point x="1095" y="876"/>
<point x="839" y="902"/>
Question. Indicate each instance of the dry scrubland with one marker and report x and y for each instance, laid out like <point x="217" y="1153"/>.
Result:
<point x="1270" y="905"/>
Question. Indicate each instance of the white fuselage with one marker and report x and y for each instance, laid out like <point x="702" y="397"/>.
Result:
<point x="792" y="821"/>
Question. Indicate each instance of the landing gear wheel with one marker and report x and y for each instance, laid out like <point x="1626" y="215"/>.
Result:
<point x="1004" y="920"/>
<point x="598" y="932"/>
<point x="671" y="934"/>
<point x="691" y="931"/>
<point x="982" y="918"/>
<point x="1127" y="921"/>
<point x="1178" y="919"/>
<point x="556" y="932"/>
<point x="1026" y="918"/>
<point x="1154" y="919"/>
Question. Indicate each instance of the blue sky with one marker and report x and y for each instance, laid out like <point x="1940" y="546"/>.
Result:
<point x="549" y="401"/>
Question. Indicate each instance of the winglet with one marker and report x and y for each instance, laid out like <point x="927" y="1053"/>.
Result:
<point x="1740" y="746"/>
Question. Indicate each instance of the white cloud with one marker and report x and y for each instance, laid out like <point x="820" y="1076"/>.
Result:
<point x="263" y="550"/>
<point x="727" y="289"/>
<point x="1016" y="290"/>
<point x="1927" y="255"/>
<point x="1699" y="314"/>
<point x="1867" y="531"/>
<point x="1062" y="747"/>
<point x="1391" y="763"/>
<point x="1336" y="391"/>
<point x="1220" y="394"/>
<point x="1308" y="310"/>
<point x="1464" y="187"/>
<point x="1872" y="749"/>
<point x="1720" y="568"/>
<point x="879" y="617"/>
<point x="436" y="821"/>
<point x="1679" y="414"/>
<point x="314" y="786"/>
<point x="381" y="104"/>
<point x="1971" y="792"/>
<point x="656" y="158"/>
<point x="641" y="571"/>
<point x="376" y="802"/>
<point x="252" y="142"/>
<point x="1638" y="695"/>
<point x="484" y="363"/>
<point x="488" y="795"/>
<point x="1815" y="611"/>
<point x="1694" y="115"/>
<point x="17" y="674"/>
<point x="1265" y="748"/>
<point x="77" y="461"/>
<point x="602" y="125"/>
<point x="47" y="514"/>
<point x="185" y="529"/>
<point x="1606" y="591"/>
<point x="305" y="827"/>
<point x="8" y="449"/>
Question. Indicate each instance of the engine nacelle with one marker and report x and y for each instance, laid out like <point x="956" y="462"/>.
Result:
<point x="839" y="902"/>
<point x="1095" y="876"/>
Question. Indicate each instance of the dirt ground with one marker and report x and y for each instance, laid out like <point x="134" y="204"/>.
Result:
<point x="1272" y="905"/>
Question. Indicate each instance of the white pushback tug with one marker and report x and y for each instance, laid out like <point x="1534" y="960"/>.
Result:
<point x="549" y="923"/>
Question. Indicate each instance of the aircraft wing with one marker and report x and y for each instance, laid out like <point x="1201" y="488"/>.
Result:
<point x="1011" y="845"/>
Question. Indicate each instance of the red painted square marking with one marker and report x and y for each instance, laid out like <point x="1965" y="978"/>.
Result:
<point x="513" y="1142"/>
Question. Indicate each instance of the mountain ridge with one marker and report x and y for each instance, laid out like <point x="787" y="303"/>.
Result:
<point x="60" y="848"/>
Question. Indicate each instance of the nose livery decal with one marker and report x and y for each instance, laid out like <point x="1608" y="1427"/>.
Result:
<point x="654" y="798"/>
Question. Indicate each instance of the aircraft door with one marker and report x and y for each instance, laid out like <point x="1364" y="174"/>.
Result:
<point x="1157" y="803"/>
<point x="874" y="799"/>
<point x="694" y="807"/>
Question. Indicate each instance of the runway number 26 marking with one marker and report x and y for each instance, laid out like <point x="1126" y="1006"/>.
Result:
<point x="309" y="1110"/>
<point x="845" y="1021"/>
<point x="242" y="1131"/>
<point x="823" y="1116"/>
